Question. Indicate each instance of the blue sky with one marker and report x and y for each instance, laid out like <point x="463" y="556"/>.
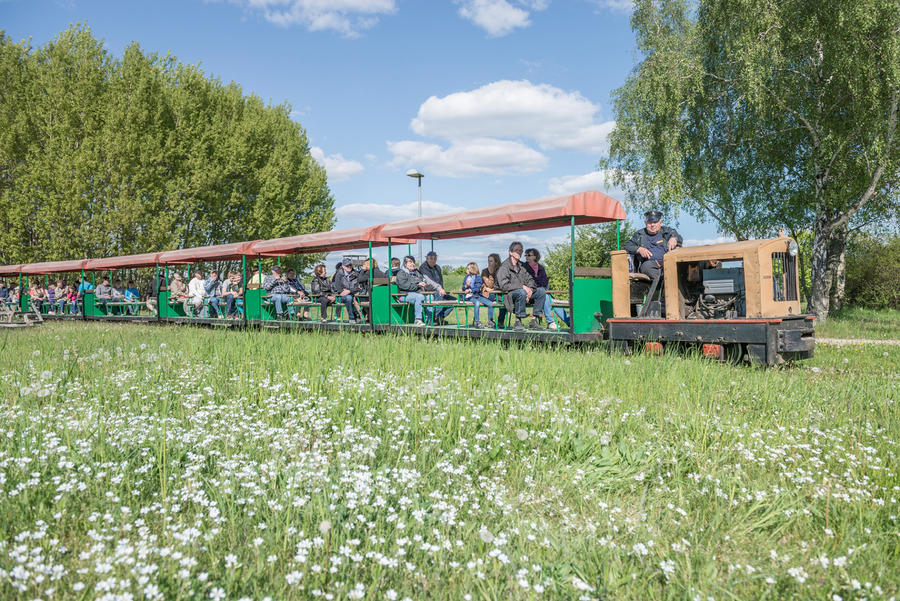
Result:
<point x="495" y="101"/>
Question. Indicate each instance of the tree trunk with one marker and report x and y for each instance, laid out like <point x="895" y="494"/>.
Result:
<point x="838" y="261"/>
<point x="822" y="276"/>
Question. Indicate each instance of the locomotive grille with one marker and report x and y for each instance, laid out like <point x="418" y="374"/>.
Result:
<point x="784" y="277"/>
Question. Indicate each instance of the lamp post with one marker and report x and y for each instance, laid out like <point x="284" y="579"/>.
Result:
<point x="418" y="175"/>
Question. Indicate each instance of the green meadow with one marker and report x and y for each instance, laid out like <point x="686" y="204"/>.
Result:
<point x="166" y="462"/>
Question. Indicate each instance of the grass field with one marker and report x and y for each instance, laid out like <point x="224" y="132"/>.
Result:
<point x="151" y="462"/>
<point x="862" y="323"/>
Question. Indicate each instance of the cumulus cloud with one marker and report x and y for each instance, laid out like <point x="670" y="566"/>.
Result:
<point x="706" y="241"/>
<point x="499" y="17"/>
<point x="595" y="180"/>
<point x="467" y="157"/>
<point x="347" y="17"/>
<point x="373" y="212"/>
<point x="616" y="6"/>
<point x="336" y="166"/>
<point x="552" y="117"/>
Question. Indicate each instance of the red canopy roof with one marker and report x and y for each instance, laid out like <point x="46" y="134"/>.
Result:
<point x="323" y="242"/>
<point x="10" y="270"/>
<point x="142" y="260"/>
<point x="221" y="252"/>
<point x="586" y="207"/>
<point x="53" y="267"/>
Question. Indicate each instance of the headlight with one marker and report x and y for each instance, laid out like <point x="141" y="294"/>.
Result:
<point x="793" y="248"/>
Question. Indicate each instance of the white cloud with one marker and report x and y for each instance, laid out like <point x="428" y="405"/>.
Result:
<point x="706" y="241"/>
<point x="336" y="166"/>
<point x="508" y="109"/>
<point x="469" y="157"/>
<point x="595" y="180"/>
<point x="372" y="212"/>
<point x="499" y="17"/>
<point x="616" y="6"/>
<point x="347" y="17"/>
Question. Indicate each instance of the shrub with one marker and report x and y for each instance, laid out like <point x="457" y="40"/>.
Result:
<point x="873" y="273"/>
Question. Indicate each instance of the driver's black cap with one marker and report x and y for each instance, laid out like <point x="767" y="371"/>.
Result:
<point x="653" y="216"/>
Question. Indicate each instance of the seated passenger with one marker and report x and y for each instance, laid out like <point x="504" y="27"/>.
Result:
<point x="196" y="294"/>
<point x="418" y="288"/>
<point x="489" y="275"/>
<point x="104" y="293"/>
<point x="178" y="290"/>
<point x="395" y="266"/>
<point x="514" y="279"/>
<point x="50" y="297"/>
<point x="4" y="292"/>
<point x="321" y="289"/>
<point x="118" y="293"/>
<point x="473" y="287"/>
<point x="649" y="245"/>
<point x="83" y="287"/>
<point x="156" y="286"/>
<point x="345" y="286"/>
<point x="363" y="278"/>
<point x="298" y="290"/>
<point x="59" y="295"/>
<point x="231" y="292"/>
<point x="72" y="300"/>
<point x="432" y="270"/>
<point x="532" y="256"/>
<point x="132" y="295"/>
<point x="279" y="291"/>
<point x="255" y="281"/>
<point x="212" y="288"/>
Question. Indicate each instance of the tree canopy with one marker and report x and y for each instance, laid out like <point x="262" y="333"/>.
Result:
<point x="757" y="114"/>
<point x="102" y="156"/>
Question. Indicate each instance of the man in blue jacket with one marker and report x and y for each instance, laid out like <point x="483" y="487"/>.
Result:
<point x="650" y="244"/>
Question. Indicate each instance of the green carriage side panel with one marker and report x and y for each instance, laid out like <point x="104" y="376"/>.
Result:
<point x="254" y="306"/>
<point x="24" y="302"/>
<point x="379" y="303"/>
<point x="167" y="310"/>
<point x="590" y="296"/>
<point x="91" y="308"/>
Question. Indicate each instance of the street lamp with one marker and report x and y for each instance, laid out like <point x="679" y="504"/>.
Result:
<point x="418" y="175"/>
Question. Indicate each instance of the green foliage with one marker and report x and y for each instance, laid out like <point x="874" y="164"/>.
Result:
<point x="102" y="156"/>
<point x="593" y="243"/>
<point x="873" y="273"/>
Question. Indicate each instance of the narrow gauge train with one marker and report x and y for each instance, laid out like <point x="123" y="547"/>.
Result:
<point x="749" y="311"/>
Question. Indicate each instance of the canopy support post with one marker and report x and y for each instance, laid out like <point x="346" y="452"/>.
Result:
<point x="243" y="284"/>
<point x="617" y="234"/>
<point x="390" y="298"/>
<point x="371" y="286"/>
<point x="259" y="296"/>
<point x="157" y="287"/>
<point x="572" y="237"/>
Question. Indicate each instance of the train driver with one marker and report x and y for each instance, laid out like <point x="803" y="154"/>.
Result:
<point x="649" y="244"/>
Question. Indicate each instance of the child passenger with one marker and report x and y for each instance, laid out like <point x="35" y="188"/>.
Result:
<point x="472" y="286"/>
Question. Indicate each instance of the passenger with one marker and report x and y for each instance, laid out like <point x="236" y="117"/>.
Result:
<point x="156" y="286"/>
<point x="298" y="291"/>
<point x="118" y="293"/>
<point x="255" y="281"/>
<point x="84" y="287"/>
<point x="213" y="290"/>
<point x="346" y="286"/>
<point x="50" y="298"/>
<point x="537" y="271"/>
<point x="649" y="245"/>
<point x="514" y="279"/>
<point x="338" y="267"/>
<point x="59" y="295"/>
<point x="395" y="266"/>
<point x="321" y="289"/>
<point x="279" y="291"/>
<point x="104" y="293"/>
<point x="418" y="287"/>
<point x="132" y="295"/>
<point x="178" y="291"/>
<point x="193" y="303"/>
<point x="363" y="278"/>
<point x="232" y="291"/>
<point x="4" y="293"/>
<point x="72" y="300"/>
<point x="472" y="287"/>
<point x="489" y="275"/>
<point x="432" y="270"/>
